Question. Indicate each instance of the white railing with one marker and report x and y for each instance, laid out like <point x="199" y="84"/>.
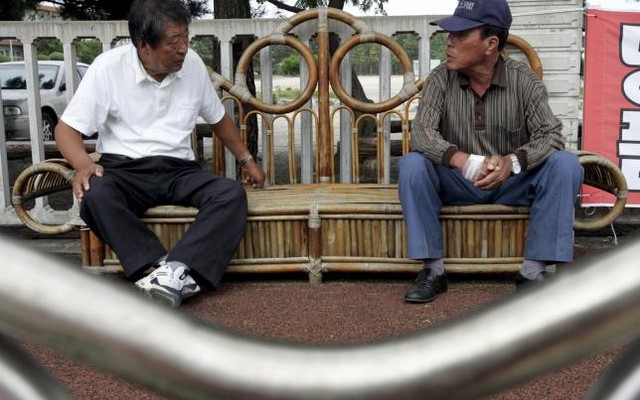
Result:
<point x="556" y="35"/>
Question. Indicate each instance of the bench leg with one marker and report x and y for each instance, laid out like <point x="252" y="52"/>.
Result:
<point x="315" y="246"/>
<point x="315" y="271"/>
<point x="92" y="249"/>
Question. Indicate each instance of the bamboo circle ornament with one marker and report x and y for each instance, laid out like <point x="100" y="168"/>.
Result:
<point x="241" y="91"/>
<point x="283" y="36"/>
<point x="409" y="88"/>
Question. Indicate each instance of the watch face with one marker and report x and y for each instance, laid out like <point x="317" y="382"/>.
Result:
<point x="516" y="169"/>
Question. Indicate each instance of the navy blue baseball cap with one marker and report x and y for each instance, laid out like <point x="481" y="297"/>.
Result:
<point x="471" y="14"/>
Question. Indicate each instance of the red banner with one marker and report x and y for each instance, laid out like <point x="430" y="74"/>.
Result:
<point x="611" y="122"/>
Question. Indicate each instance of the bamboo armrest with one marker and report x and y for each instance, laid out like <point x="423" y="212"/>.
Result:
<point x="40" y="180"/>
<point x="602" y="174"/>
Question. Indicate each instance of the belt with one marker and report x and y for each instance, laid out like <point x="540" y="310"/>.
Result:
<point x="118" y="157"/>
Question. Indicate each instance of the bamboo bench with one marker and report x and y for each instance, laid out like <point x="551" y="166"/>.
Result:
<point x="319" y="228"/>
<point x="323" y="227"/>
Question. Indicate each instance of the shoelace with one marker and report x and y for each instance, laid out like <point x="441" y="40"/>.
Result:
<point x="423" y="282"/>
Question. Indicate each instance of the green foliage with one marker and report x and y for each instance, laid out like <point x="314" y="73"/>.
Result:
<point x="48" y="46"/>
<point x="409" y="42"/>
<point x="203" y="45"/>
<point x="280" y="52"/>
<point x="51" y="49"/>
<point x="56" y="55"/>
<point x="365" y="57"/>
<point x="4" y="58"/>
<point x="299" y="5"/>
<point x="88" y="49"/>
<point x="114" y="9"/>
<point x="11" y="10"/>
<point x="14" y="10"/>
<point x="439" y="46"/>
<point x="286" y="94"/>
<point x="289" y="65"/>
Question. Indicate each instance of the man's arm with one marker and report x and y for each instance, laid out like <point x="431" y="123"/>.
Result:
<point x="545" y="130"/>
<point x="426" y="137"/>
<point x="70" y="144"/>
<point x="228" y="133"/>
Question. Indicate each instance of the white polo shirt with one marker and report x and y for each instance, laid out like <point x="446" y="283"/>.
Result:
<point x="137" y="116"/>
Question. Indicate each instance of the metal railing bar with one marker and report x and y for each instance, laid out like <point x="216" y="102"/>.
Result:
<point x="21" y="378"/>
<point x="621" y="381"/>
<point x="109" y="326"/>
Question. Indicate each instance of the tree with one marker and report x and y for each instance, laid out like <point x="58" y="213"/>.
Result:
<point x="88" y="49"/>
<point x="301" y="5"/>
<point x="14" y="10"/>
<point x="112" y="9"/>
<point x="289" y="65"/>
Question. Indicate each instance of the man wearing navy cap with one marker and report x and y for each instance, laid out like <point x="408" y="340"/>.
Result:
<point x="484" y="134"/>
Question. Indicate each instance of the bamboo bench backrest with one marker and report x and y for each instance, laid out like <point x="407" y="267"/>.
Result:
<point x="324" y="76"/>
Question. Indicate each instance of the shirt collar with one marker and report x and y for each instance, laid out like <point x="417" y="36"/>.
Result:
<point x="142" y="74"/>
<point x="499" y="75"/>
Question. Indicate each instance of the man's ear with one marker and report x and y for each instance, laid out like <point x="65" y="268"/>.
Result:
<point x="143" y="45"/>
<point x="493" y="43"/>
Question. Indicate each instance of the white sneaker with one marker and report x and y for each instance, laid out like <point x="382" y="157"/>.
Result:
<point x="170" y="283"/>
<point x="189" y="288"/>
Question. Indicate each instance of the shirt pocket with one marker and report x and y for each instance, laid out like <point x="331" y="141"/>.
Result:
<point x="183" y="116"/>
<point x="515" y="136"/>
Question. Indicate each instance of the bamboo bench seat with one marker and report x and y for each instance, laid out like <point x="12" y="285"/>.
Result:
<point x="348" y="228"/>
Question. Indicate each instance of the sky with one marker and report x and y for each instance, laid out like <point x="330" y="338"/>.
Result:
<point x="413" y="7"/>
<point x="615" y="4"/>
<point x="446" y="7"/>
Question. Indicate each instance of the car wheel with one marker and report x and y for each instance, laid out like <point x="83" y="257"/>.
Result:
<point x="48" y="124"/>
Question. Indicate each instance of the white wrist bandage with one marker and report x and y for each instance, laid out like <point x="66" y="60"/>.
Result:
<point x="472" y="167"/>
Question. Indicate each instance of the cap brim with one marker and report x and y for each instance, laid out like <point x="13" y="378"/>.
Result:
<point x="456" y="24"/>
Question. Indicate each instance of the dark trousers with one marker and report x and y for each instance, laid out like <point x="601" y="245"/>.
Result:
<point x="113" y="204"/>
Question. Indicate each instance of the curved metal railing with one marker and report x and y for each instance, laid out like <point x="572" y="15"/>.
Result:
<point x="522" y="336"/>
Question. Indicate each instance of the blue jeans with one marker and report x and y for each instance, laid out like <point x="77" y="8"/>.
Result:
<point x="550" y="190"/>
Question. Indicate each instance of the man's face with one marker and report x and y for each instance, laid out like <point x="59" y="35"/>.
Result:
<point x="169" y="54"/>
<point x="466" y="49"/>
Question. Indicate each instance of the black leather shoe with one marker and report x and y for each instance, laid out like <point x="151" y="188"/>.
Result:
<point x="426" y="287"/>
<point x="522" y="282"/>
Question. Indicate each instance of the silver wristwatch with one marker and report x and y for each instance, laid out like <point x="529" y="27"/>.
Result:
<point x="246" y="160"/>
<point x="515" y="164"/>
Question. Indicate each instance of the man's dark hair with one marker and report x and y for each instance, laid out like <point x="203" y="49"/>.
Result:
<point x="501" y="33"/>
<point x="149" y="18"/>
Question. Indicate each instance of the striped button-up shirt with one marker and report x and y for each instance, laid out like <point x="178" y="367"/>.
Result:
<point x="512" y="117"/>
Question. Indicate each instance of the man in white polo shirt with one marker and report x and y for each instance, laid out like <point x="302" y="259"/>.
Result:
<point x="143" y="100"/>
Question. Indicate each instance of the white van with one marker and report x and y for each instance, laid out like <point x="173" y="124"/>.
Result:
<point x="52" y="97"/>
